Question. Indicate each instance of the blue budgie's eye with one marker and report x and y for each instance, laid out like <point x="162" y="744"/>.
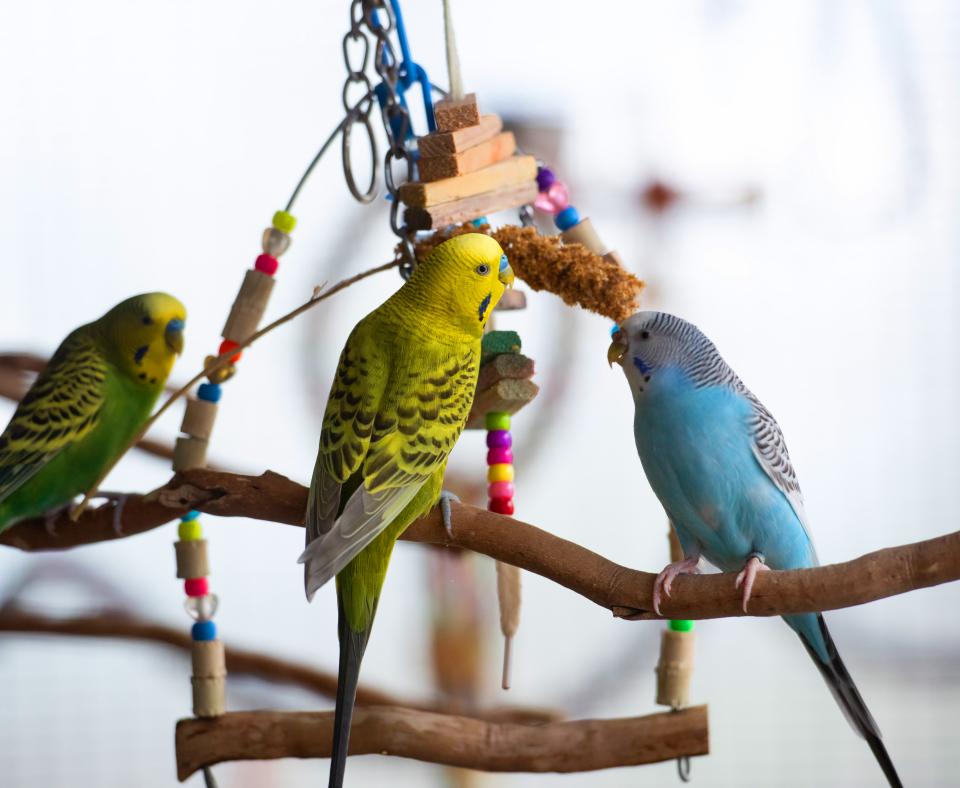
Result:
<point x="483" y="269"/>
<point x="644" y="334"/>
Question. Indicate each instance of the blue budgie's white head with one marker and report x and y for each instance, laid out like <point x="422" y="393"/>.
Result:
<point x="649" y="342"/>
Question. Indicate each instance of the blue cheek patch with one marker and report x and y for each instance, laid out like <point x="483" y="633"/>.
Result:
<point x="503" y="263"/>
<point x="483" y="307"/>
<point x="640" y="364"/>
<point x="140" y="353"/>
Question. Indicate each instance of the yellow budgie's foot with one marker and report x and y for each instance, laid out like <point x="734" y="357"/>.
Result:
<point x="748" y="574"/>
<point x="445" y="499"/>
<point x="118" y="500"/>
<point x="50" y="518"/>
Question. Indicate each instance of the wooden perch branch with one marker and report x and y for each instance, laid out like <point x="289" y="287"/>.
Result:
<point x="578" y="746"/>
<point x="626" y="592"/>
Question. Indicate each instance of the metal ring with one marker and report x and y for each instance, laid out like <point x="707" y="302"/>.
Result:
<point x="526" y="216"/>
<point x="371" y="192"/>
<point x="395" y="226"/>
<point x="369" y="6"/>
<point x="683" y="768"/>
<point x="365" y="105"/>
<point x="395" y="154"/>
<point x="356" y="36"/>
<point x="408" y="256"/>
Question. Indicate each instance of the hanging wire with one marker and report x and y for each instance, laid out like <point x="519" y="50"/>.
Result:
<point x="208" y="779"/>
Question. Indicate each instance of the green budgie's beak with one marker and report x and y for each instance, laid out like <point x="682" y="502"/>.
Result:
<point x="506" y="272"/>
<point x="618" y="348"/>
<point x="173" y="335"/>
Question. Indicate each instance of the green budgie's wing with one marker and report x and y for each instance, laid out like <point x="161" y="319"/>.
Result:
<point x="392" y="424"/>
<point x="62" y="406"/>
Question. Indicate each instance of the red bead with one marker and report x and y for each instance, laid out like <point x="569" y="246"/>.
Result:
<point x="196" y="586"/>
<point x="501" y="505"/>
<point x="267" y="264"/>
<point x="226" y="346"/>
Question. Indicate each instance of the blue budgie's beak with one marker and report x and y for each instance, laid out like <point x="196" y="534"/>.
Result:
<point x="173" y="335"/>
<point x="506" y="272"/>
<point x="618" y="348"/>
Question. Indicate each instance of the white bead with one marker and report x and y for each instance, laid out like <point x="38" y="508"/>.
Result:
<point x="201" y="608"/>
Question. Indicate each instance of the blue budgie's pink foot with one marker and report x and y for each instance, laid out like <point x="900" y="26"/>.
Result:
<point x="688" y="566"/>
<point x="748" y="574"/>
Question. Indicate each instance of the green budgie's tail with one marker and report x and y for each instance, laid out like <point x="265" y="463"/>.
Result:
<point x="352" y="646"/>
<point x="814" y="634"/>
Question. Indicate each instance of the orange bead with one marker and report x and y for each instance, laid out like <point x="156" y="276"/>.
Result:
<point x="226" y="346"/>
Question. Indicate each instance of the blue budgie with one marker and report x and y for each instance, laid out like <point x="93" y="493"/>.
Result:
<point x="717" y="461"/>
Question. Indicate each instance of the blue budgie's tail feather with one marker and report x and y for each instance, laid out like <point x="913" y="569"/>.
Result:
<point x="813" y="631"/>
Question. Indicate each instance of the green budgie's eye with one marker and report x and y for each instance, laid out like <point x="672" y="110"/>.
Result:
<point x="483" y="269"/>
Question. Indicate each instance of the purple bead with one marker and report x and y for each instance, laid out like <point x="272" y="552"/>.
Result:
<point x="499" y="455"/>
<point x="545" y="178"/>
<point x="499" y="439"/>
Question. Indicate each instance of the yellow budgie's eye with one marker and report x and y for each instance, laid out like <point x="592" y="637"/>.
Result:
<point x="483" y="269"/>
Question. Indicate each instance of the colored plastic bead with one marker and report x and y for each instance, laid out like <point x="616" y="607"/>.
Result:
<point x="226" y="346"/>
<point x="501" y="490"/>
<point x="501" y="505"/>
<point x="498" y="420"/>
<point x="498" y="455"/>
<point x="196" y="586"/>
<point x="501" y="472"/>
<point x="220" y="374"/>
<point x="283" y="221"/>
<point x="274" y="242"/>
<point x="204" y="630"/>
<point x="190" y="530"/>
<point x="567" y="218"/>
<point x="554" y="199"/>
<point x="681" y="625"/>
<point x="201" y="608"/>
<point x="193" y="514"/>
<point x="267" y="265"/>
<point x="545" y="178"/>
<point x="209" y="392"/>
<point x="480" y="221"/>
<point x="499" y="439"/>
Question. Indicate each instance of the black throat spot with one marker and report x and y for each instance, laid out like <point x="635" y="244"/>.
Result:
<point x="482" y="310"/>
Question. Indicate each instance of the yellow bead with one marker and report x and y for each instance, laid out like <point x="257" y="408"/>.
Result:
<point x="285" y="222"/>
<point x="190" y="530"/>
<point x="502" y="472"/>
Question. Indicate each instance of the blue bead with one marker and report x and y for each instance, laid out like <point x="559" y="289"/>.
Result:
<point x="567" y="218"/>
<point x="480" y="221"/>
<point x="211" y="392"/>
<point x="204" y="630"/>
<point x="193" y="514"/>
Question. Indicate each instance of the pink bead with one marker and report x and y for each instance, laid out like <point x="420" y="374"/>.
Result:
<point x="554" y="199"/>
<point x="499" y="454"/>
<point x="267" y="264"/>
<point x="501" y="490"/>
<point x="196" y="586"/>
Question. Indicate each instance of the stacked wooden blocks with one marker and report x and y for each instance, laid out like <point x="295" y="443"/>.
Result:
<point x="468" y="168"/>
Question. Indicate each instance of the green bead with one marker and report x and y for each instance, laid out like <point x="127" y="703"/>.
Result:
<point x="190" y="530"/>
<point x="681" y="625"/>
<point x="285" y="222"/>
<point x="498" y="420"/>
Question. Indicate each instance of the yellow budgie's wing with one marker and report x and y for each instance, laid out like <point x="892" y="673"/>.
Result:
<point x="62" y="406"/>
<point x="400" y="437"/>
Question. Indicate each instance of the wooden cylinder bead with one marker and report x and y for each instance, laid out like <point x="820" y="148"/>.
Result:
<point x="583" y="233"/>
<point x="192" y="559"/>
<point x="614" y="257"/>
<point x="248" y="309"/>
<point x="675" y="669"/>
<point x="189" y="453"/>
<point x="208" y="659"/>
<point x="209" y="696"/>
<point x="198" y="418"/>
<point x="508" y="593"/>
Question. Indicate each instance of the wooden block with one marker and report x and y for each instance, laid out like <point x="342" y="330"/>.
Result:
<point x="189" y="453"/>
<point x="506" y="395"/>
<point x="613" y="257"/>
<point x="208" y="696"/>
<point x="208" y="659"/>
<point x="583" y="233"/>
<point x="508" y="172"/>
<point x="192" y="558"/>
<point x="506" y="366"/>
<point x="445" y="143"/>
<point x="453" y="114"/>
<point x="249" y="306"/>
<point x="495" y="149"/>
<point x="470" y="208"/>
<point x="198" y="418"/>
<point x="675" y="668"/>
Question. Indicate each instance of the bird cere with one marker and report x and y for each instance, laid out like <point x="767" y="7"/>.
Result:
<point x="415" y="372"/>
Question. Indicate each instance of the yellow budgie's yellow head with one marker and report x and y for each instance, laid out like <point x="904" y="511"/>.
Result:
<point x="462" y="279"/>
<point x="143" y="336"/>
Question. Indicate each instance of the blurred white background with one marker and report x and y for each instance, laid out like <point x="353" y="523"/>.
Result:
<point x="144" y="146"/>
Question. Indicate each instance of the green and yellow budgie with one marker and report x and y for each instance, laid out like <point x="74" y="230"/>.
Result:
<point x="85" y="407"/>
<point x="401" y="396"/>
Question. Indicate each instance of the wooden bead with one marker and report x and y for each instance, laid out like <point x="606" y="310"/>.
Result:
<point x="583" y="233"/>
<point x="208" y="659"/>
<point x="220" y="374"/>
<point x="189" y="453"/>
<point x="209" y="696"/>
<point x="249" y="306"/>
<point x="198" y="418"/>
<point x="675" y="669"/>
<point x="192" y="560"/>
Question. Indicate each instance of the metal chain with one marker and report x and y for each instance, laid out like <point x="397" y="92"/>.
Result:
<point x="358" y="110"/>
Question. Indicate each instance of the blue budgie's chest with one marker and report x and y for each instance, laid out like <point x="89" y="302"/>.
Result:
<point x="696" y="448"/>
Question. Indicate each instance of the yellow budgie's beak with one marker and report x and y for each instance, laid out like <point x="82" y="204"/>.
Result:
<point x="617" y="349"/>
<point x="173" y="335"/>
<point x="506" y="272"/>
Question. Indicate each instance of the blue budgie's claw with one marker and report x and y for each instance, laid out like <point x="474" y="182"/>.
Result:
<point x="688" y="566"/>
<point x="755" y="563"/>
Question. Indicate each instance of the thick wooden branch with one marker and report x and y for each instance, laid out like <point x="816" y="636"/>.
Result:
<point x="578" y="746"/>
<point x="626" y="592"/>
